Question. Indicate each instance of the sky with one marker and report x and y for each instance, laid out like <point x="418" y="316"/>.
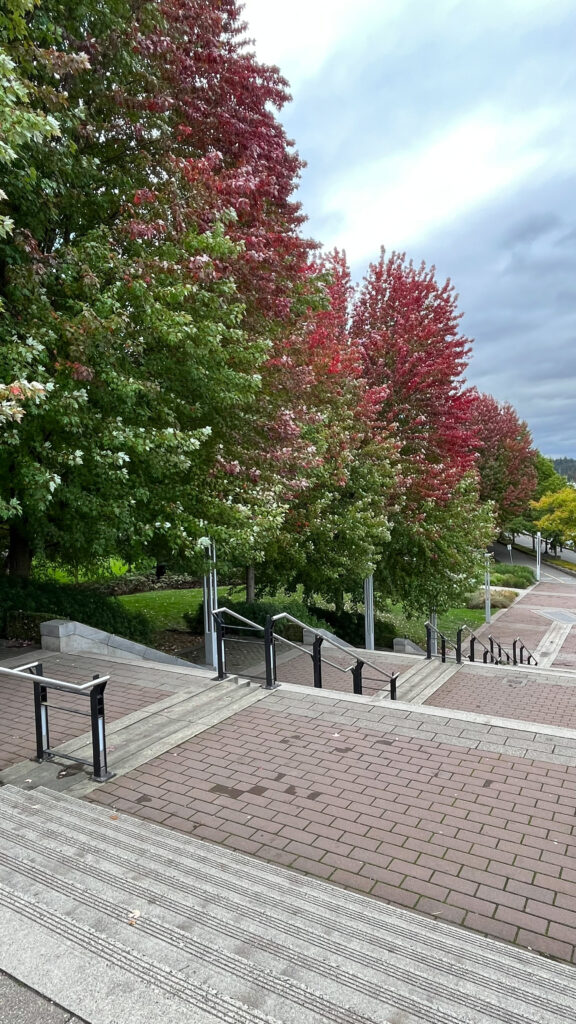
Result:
<point x="447" y="129"/>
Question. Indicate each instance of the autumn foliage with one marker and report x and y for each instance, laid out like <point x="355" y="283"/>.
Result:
<point x="187" y="362"/>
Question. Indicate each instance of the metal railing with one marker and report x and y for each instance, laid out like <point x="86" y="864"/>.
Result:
<point x="496" y="653"/>
<point x="93" y="689"/>
<point x="487" y="655"/>
<point x="270" y="637"/>
<point x="519" y="649"/>
<point x="446" y="644"/>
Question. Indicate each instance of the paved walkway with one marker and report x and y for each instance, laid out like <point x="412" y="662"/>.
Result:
<point x="422" y="811"/>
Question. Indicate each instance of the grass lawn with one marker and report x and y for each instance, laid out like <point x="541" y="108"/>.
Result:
<point x="165" y="608"/>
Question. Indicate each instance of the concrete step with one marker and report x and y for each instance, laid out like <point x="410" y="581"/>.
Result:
<point x="137" y="738"/>
<point x="424" y="679"/>
<point x="168" y="928"/>
<point x="551" y="644"/>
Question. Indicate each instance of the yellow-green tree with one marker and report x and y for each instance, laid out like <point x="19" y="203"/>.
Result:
<point x="557" y="513"/>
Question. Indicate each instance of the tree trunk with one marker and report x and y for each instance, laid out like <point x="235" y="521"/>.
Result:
<point x="339" y="600"/>
<point x="250" y="584"/>
<point x="19" y="554"/>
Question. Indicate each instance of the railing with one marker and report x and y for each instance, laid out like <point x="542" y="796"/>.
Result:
<point x="496" y="653"/>
<point x="519" y="652"/>
<point x="269" y="640"/>
<point x="487" y="655"/>
<point x="445" y="643"/>
<point x="501" y="652"/>
<point x="94" y="689"/>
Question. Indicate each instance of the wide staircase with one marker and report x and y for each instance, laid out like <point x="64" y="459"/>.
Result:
<point x="120" y="920"/>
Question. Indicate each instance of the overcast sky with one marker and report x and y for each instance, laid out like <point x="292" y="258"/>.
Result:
<point x="447" y="128"/>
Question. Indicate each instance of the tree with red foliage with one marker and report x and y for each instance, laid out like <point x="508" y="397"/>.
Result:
<point x="407" y="326"/>
<point x="507" y="460"/>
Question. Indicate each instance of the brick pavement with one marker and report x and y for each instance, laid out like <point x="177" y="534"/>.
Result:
<point x="360" y="795"/>
<point x="509" y="694"/>
<point x="17" y="731"/>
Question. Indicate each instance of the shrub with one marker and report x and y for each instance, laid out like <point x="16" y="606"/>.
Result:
<point x="70" y="601"/>
<point x="498" y="599"/>
<point x="519" y="576"/>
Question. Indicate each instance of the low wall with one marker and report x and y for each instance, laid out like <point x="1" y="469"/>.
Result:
<point x="68" y="636"/>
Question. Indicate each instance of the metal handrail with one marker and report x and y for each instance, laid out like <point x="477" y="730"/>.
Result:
<point x="523" y="648"/>
<point x="23" y="670"/>
<point x="501" y="651"/>
<point x="315" y="654"/>
<point x="391" y="677"/>
<point x="93" y="689"/>
<point x="474" y="640"/>
<point x="328" y="640"/>
<point x="445" y="640"/>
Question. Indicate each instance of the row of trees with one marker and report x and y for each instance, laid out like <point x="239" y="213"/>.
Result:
<point x="178" y="359"/>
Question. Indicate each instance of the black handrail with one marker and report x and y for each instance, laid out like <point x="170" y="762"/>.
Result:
<point x="94" y="689"/>
<point x="502" y="652"/>
<point x="445" y="642"/>
<point x="356" y="668"/>
<point x="269" y="639"/>
<point x="487" y="655"/>
<point x="523" y="650"/>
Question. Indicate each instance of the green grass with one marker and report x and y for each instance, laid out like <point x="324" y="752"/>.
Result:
<point x="165" y="608"/>
<point x="448" y="622"/>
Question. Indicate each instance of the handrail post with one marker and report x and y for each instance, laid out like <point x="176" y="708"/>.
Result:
<point x="491" y="639"/>
<point x="472" y="646"/>
<point x="443" y="646"/>
<point x="485" y="656"/>
<point x="220" y="654"/>
<point x="317" y="661"/>
<point x="269" y="652"/>
<point x="357" y="677"/>
<point x="521" y="653"/>
<point x="459" y="647"/>
<point x="393" y="681"/>
<point x="428" y="641"/>
<point x="98" y="724"/>
<point x="514" y="651"/>
<point x="41" y="715"/>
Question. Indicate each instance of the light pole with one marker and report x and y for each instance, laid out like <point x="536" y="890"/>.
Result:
<point x="487" y="557"/>
<point x="369" y="613"/>
<point x="538" y="555"/>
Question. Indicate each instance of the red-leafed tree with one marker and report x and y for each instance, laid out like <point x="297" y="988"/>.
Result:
<point x="507" y="460"/>
<point x="408" y="328"/>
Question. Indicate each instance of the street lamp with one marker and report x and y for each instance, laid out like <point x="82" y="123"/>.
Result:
<point x="538" y="555"/>
<point x="487" y="558"/>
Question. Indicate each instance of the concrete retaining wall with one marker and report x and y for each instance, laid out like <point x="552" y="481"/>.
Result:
<point x="68" y="636"/>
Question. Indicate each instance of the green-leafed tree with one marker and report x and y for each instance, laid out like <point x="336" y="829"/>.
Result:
<point x="435" y="560"/>
<point x="555" y="514"/>
<point x="549" y="482"/>
<point x="148" y="227"/>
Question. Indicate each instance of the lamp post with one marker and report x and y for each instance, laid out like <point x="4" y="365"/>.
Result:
<point x="487" y="557"/>
<point x="538" y="555"/>
<point x="210" y="591"/>
<point x="369" y="613"/>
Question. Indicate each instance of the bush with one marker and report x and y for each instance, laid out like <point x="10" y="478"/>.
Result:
<point x="69" y="601"/>
<point x="519" y="576"/>
<point x="498" y="599"/>
<point x="257" y="612"/>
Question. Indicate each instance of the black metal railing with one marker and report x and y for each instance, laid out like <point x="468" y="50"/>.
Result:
<point x="269" y="639"/>
<point x="447" y="645"/>
<point x="519" y="652"/>
<point x="93" y="690"/>
<point x="474" y="641"/>
<point x="495" y="653"/>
